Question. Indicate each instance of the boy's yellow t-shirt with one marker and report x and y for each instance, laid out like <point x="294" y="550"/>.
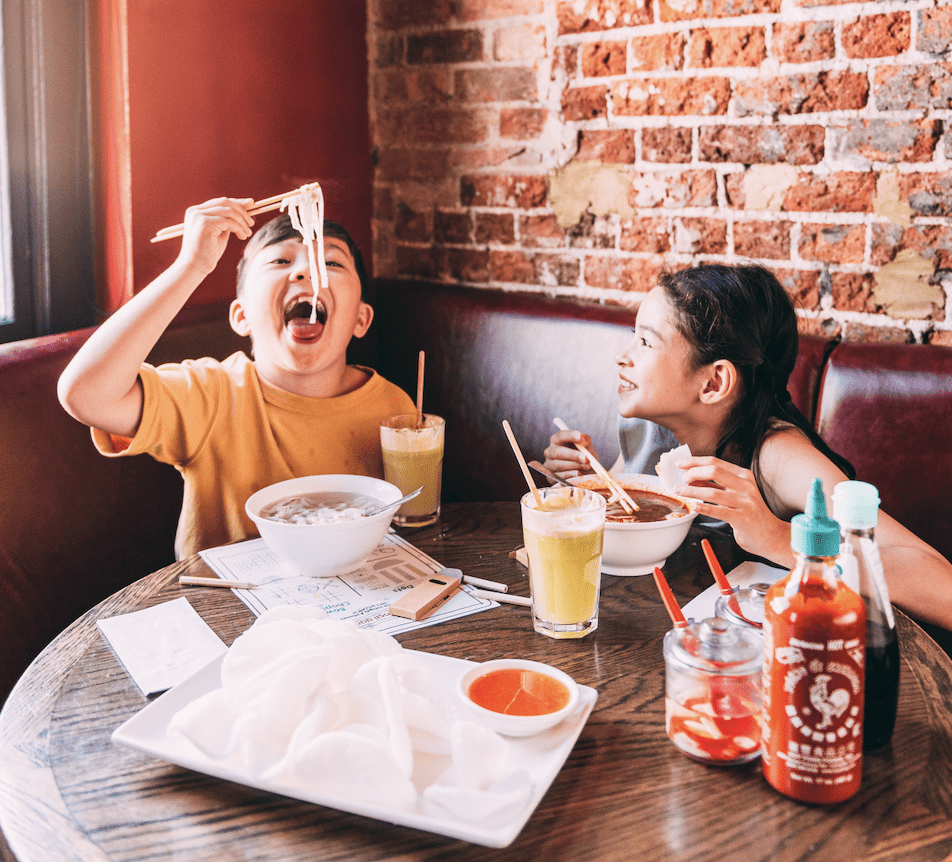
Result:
<point x="231" y="433"/>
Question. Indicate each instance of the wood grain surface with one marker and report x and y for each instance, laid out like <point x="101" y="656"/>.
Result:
<point x="624" y="793"/>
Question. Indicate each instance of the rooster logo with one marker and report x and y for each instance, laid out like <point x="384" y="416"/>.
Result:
<point x="831" y="704"/>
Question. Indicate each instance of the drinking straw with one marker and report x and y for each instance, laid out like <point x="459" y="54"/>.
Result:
<point x="522" y="463"/>
<point x="670" y="603"/>
<point x="419" y="392"/>
<point x="722" y="583"/>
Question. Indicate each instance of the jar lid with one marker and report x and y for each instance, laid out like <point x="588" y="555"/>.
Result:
<point x="715" y="645"/>
<point x="744" y="607"/>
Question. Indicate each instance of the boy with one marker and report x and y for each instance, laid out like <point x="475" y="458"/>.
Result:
<point x="233" y="427"/>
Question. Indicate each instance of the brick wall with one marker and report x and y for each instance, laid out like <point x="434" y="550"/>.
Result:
<point x="581" y="146"/>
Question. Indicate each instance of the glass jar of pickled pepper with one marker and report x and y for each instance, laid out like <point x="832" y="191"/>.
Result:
<point x="744" y="607"/>
<point x="712" y="690"/>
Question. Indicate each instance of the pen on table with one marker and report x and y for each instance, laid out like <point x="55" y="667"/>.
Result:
<point x="216" y="582"/>
<point x="503" y="597"/>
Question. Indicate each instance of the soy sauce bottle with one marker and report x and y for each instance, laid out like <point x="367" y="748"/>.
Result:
<point x="856" y="508"/>
<point x="814" y="661"/>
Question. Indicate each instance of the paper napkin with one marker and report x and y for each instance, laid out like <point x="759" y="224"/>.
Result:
<point x="163" y="645"/>
<point x="702" y="606"/>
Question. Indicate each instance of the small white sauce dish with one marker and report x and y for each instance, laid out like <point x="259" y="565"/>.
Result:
<point x="517" y="725"/>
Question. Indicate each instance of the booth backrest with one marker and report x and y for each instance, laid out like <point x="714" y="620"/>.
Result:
<point x="75" y="526"/>
<point x="888" y="409"/>
<point x="524" y="357"/>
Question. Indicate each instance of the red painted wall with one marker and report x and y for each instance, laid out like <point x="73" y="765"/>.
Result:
<point x="243" y="98"/>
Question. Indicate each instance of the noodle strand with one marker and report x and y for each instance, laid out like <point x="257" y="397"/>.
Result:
<point x="306" y="211"/>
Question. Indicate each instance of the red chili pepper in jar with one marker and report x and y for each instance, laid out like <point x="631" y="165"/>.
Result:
<point x="712" y="685"/>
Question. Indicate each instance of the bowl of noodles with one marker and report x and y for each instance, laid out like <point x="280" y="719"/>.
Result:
<point x="635" y="544"/>
<point x="319" y="526"/>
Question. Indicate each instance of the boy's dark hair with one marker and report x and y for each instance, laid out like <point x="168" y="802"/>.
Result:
<point x="743" y="314"/>
<point x="280" y="228"/>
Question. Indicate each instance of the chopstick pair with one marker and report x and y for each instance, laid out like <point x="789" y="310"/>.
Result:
<point x="619" y="494"/>
<point x="263" y="206"/>
<point x="191" y="580"/>
<point x="494" y="592"/>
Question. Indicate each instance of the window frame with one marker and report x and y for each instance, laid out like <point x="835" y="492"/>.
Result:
<point x="51" y="226"/>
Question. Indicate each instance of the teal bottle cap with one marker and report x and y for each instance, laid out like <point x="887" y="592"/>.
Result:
<point x="813" y="533"/>
<point x="856" y="505"/>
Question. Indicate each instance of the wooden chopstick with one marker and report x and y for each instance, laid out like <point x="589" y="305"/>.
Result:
<point x="618" y="493"/>
<point x="265" y="205"/>
<point x="215" y="582"/>
<point x="503" y="598"/>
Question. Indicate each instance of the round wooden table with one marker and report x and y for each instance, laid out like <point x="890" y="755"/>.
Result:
<point x="66" y="792"/>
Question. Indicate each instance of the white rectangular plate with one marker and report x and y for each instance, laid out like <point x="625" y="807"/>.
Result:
<point x="542" y="756"/>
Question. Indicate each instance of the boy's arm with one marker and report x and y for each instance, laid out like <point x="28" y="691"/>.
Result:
<point x="100" y="386"/>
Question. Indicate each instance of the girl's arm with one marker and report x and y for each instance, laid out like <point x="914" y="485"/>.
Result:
<point x="918" y="577"/>
<point x="100" y="386"/>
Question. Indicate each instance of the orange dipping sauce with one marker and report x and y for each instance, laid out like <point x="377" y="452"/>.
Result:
<point x="513" y="691"/>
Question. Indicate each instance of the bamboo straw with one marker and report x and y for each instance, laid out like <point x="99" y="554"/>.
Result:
<point x="618" y="493"/>
<point x="419" y="392"/>
<point x="522" y="463"/>
<point x="263" y="206"/>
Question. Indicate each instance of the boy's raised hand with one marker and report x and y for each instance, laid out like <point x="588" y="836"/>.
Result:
<point x="563" y="459"/>
<point x="100" y="386"/>
<point x="207" y="228"/>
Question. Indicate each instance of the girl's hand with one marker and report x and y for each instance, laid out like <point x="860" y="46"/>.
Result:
<point x="563" y="459"/>
<point x="208" y="227"/>
<point x="730" y="493"/>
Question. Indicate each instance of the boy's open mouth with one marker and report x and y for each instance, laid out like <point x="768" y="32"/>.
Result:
<point x="297" y="317"/>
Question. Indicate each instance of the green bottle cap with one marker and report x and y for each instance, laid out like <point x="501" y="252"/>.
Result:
<point x="813" y="533"/>
<point x="856" y="505"/>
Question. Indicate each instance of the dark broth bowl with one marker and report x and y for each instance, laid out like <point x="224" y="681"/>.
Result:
<point x="636" y="547"/>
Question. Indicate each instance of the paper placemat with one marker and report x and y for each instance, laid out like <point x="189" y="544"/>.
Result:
<point x="362" y="596"/>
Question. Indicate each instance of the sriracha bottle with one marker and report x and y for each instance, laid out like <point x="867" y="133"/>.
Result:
<point x="814" y="659"/>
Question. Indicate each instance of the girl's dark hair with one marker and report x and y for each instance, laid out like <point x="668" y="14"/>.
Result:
<point x="280" y="228"/>
<point x="744" y="315"/>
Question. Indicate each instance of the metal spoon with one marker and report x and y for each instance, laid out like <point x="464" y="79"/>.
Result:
<point x="402" y="500"/>
<point x="613" y="508"/>
<point x="545" y="471"/>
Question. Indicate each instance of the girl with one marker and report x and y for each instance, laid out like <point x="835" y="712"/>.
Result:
<point x="708" y="367"/>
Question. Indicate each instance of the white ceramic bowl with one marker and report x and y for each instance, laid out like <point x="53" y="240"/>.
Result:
<point x="636" y="548"/>
<point x="517" y="725"/>
<point x="323" y="550"/>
